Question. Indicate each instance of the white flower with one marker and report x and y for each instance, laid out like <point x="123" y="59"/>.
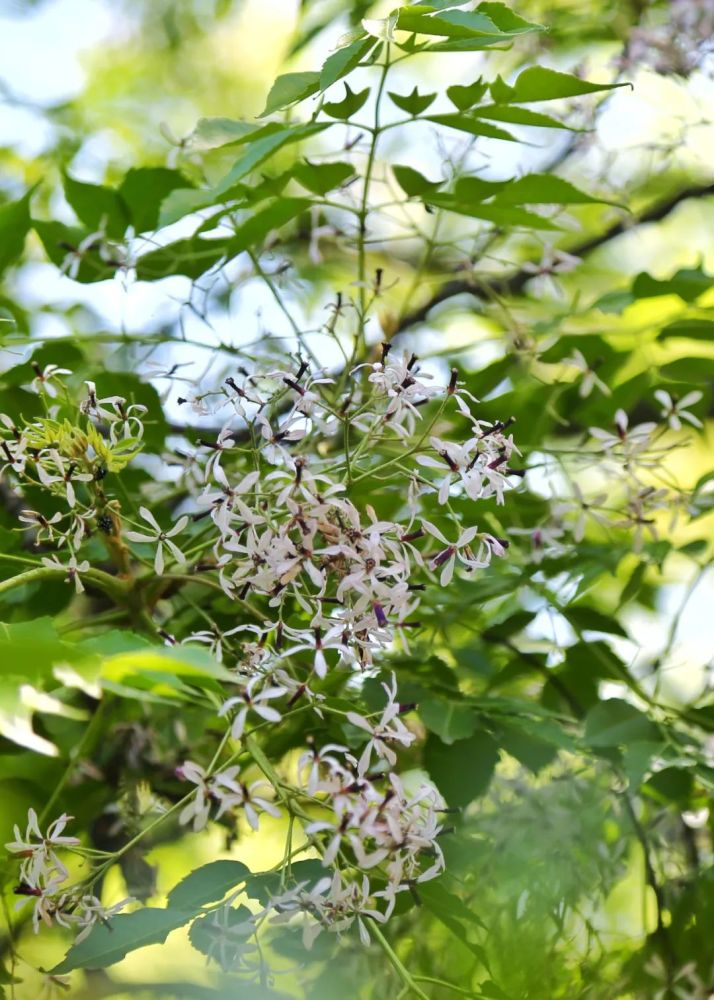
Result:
<point x="43" y="526"/>
<point x="222" y="502"/>
<point x="544" y="540"/>
<point x="628" y="440"/>
<point x="252" y="702"/>
<point x="65" y="473"/>
<point x="247" y="797"/>
<point x="91" y="911"/>
<point x="454" y="550"/>
<point x="72" y="569"/>
<point x="48" y="900"/>
<point x="315" y="759"/>
<point x="160" y="538"/>
<point x="389" y="729"/>
<point x="674" y="410"/>
<point x="42" y="382"/>
<point x="584" y="508"/>
<point x="273" y="445"/>
<point x="589" y="379"/>
<point x="552" y="262"/>
<point x="198" y="809"/>
<point x="38" y="849"/>
<point x="224" y="442"/>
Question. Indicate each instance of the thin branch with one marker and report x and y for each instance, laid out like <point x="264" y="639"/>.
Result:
<point x="514" y="284"/>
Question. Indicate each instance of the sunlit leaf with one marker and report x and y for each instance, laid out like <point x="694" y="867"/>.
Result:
<point x="344" y="60"/>
<point x="107" y="943"/>
<point x="99" y="208"/>
<point x="537" y="83"/>
<point x="15" y="224"/>
<point x="413" y="103"/>
<point x="289" y="89"/>
<point x="412" y="182"/>
<point x="143" y="191"/>
<point x="348" y="106"/>
<point x="322" y="177"/>
<point x="207" y="884"/>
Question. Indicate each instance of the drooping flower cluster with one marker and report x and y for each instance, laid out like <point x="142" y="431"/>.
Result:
<point x="43" y="877"/>
<point x="323" y="584"/>
<point x="628" y="492"/>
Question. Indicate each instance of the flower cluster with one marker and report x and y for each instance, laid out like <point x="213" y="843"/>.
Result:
<point x="680" y="44"/>
<point x="628" y="492"/>
<point x="268" y="514"/>
<point x="43" y="876"/>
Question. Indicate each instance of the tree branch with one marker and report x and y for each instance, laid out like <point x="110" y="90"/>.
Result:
<point x="515" y="283"/>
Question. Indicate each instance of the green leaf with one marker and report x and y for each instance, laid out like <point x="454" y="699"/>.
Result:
<point x="540" y="84"/>
<point x="256" y="228"/>
<point x="693" y="369"/>
<point x="258" y="150"/>
<point x="348" y="106"/>
<point x="692" y="329"/>
<point x="499" y="215"/>
<point x="688" y="283"/>
<point x="182" y="202"/>
<point x="344" y="60"/>
<point x="519" y="116"/>
<point x="162" y="663"/>
<point x="212" y="133"/>
<point x="208" y="933"/>
<point x="470" y="189"/>
<point x="412" y="183"/>
<point x="512" y="625"/>
<point x="474" y="126"/>
<point x="414" y="103"/>
<point x="97" y="207"/>
<point x="322" y="177"/>
<point x="464" y="98"/>
<point x="439" y="899"/>
<point x="533" y="752"/>
<point x="453" y="913"/>
<point x="289" y="89"/>
<point x="109" y="942"/>
<point x="463" y="770"/>
<point x="449" y="24"/>
<point x="613" y="723"/>
<point x="506" y="20"/>
<point x="592" y="620"/>
<point x="61" y="241"/>
<point x="143" y="191"/>
<point x="15" y="223"/>
<point x="634" y="584"/>
<point x="545" y="189"/>
<point x="449" y="720"/>
<point x="490" y="24"/>
<point x="194" y="256"/>
<point x="207" y="884"/>
<point x="28" y="652"/>
<point x="671" y="784"/>
<point x="191" y="257"/>
<point x="264" y="885"/>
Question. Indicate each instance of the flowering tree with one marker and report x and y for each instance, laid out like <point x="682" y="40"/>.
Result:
<point x="330" y="578"/>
